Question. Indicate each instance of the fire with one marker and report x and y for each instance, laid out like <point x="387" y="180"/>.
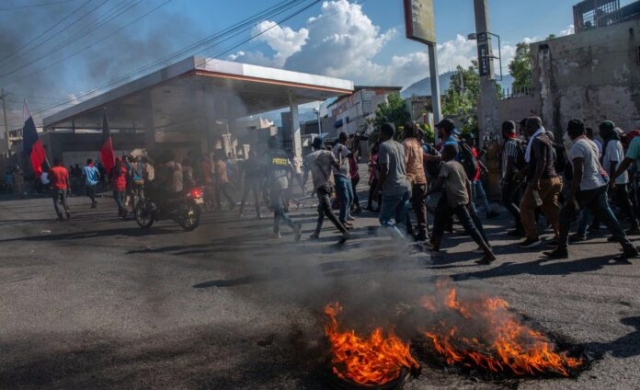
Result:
<point x="482" y="332"/>
<point x="376" y="360"/>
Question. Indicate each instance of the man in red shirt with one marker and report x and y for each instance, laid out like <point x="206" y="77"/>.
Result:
<point x="59" y="178"/>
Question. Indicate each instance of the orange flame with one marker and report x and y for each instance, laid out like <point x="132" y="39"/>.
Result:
<point x="491" y="337"/>
<point x="374" y="361"/>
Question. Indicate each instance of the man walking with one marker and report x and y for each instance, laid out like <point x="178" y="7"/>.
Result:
<point x="613" y="156"/>
<point x="60" y="186"/>
<point x="320" y="162"/>
<point x="392" y="185"/>
<point x="252" y="176"/>
<point x="342" y="177"/>
<point x="588" y="190"/>
<point x="91" y="180"/>
<point x="279" y="168"/>
<point x="417" y="179"/>
<point x="511" y="153"/>
<point x="458" y="194"/>
<point x="222" y="185"/>
<point x="543" y="184"/>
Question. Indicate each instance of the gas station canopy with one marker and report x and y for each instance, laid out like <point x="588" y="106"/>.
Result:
<point x="195" y="93"/>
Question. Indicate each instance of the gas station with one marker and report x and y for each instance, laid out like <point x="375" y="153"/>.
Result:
<point x="194" y="105"/>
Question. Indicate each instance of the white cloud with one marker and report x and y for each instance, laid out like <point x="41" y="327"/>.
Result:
<point x="343" y="42"/>
<point x="568" y="31"/>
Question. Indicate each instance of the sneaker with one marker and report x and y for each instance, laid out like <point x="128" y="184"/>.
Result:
<point x="314" y="236"/>
<point x="557" y="254"/>
<point x="486" y="260"/>
<point x="530" y="243"/>
<point x="612" y="239"/>
<point x="344" y="238"/>
<point x="629" y="253"/>
<point x="297" y="231"/>
<point x="575" y="237"/>
<point x="94" y="205"/>
<point x="276" y="236"/>
<point x="493" y="214"/>
<point x="350" y="218"/>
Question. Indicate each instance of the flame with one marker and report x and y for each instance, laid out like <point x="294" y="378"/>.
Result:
<point x="376" y="360"/>
<point x="489" y="336"/>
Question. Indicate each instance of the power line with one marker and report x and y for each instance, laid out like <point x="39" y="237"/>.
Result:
<point x="44" y="33"/>
<point x="265" y="30"/>
<point x="225" y="35"/>
<point x="19" y="68"/>
<point x="123" y="7"/>
<point x="35" y="5"/>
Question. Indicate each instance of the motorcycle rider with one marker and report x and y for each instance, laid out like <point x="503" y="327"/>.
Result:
<point x="168" y="182"/>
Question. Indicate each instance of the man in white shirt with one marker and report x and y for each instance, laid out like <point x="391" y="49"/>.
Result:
<point x="613" y="157"/>
<point x="588" y="190"/>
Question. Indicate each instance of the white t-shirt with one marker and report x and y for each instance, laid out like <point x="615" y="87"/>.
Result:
<point x="615" y="152"/>
<point x="588" y="151"/>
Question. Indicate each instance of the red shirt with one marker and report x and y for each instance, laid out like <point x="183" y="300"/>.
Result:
<point x="59" y="177"/>
<point x="119" y="178"/>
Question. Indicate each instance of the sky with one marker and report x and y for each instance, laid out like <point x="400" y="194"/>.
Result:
<point x="56" y="53"/>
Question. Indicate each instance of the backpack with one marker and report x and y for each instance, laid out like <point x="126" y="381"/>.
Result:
<point x="521" y="149"/>
<point x="431" y="167"/>
<point x="468" y="160"/>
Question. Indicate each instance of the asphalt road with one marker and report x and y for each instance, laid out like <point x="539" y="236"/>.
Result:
<point x="98" y="303"/>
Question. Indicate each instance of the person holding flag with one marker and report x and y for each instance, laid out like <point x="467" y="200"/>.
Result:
<point x="107" y="156"/>
<point x="31" y="144"/>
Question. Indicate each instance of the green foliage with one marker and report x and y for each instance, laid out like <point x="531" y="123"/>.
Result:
<point x="461" y="99"/>
<point x="393" y="111"/>
<point x="520" y="68"/>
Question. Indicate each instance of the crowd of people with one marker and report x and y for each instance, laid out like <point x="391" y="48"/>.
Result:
<point x="541" y="180"/>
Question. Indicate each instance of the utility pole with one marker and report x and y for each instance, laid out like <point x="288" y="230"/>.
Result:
<point x="6" y="126"/>
<point x="488" y="115"/>
<point x="435" y="87"/>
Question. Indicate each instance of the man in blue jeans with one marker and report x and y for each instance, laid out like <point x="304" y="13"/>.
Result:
<point x="393" y="184"/>
<point x="342" y="176"/>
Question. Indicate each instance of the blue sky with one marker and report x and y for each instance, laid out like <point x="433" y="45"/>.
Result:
<point x="61" y="56"/>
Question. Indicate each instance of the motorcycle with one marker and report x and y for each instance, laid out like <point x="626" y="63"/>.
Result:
<point x="185" y="210"/>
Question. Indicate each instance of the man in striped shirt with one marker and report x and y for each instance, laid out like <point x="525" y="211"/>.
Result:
<point x="510" y="186"/>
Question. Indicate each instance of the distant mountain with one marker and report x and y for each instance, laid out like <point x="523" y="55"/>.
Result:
<point x="423" y="87"/>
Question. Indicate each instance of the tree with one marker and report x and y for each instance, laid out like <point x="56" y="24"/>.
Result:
<point x="392" y="111"/>
<point x="461" y="99"/>
<point x="520" y="68"/>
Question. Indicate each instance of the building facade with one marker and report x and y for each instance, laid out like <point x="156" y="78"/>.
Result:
<point x="593" y="76"/>
<point x="351" y="112"/>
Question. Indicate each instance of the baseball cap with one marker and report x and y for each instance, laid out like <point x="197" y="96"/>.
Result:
<point x="607" y="125"/>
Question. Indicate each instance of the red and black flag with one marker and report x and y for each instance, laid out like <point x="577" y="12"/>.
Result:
<point x="107" y="156"/>
<point x="31" y="144"/>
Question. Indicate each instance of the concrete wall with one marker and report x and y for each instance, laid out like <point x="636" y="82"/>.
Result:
<point x="591" y="76"/>
<point x="518" y="107"/>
